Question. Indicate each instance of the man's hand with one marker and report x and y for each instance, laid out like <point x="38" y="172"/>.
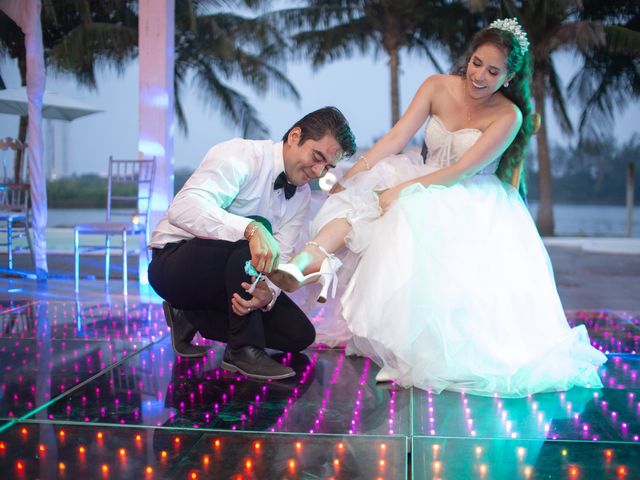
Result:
<point x="265" y="252"/>
<point x="262" y="296"/>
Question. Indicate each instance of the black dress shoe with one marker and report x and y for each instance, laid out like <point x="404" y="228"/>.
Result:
<point x="182" y="332"/>
<point x="254" y="363"/>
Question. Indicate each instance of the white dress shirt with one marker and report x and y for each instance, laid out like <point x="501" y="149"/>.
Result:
<point x="235" y="180"/>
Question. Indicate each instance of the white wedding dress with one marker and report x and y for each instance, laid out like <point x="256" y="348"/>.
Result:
<point x="452" y="288"/>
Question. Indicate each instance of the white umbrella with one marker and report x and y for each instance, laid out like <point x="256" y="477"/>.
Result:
<point x="13" y="101"/>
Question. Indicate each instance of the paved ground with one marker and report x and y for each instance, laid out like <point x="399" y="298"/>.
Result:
<point x="586" y="280"/>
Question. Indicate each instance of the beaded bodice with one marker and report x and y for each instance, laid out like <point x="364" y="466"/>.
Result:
<point x="445" y="147"/>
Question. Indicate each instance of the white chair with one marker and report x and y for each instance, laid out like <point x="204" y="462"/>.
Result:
<point x="129" y="191"/>
<point x="15" y="219"/>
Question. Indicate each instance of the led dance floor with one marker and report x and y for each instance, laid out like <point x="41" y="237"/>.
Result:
<point x="94" y="390"/>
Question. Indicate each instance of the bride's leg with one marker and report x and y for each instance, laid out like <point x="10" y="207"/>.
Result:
<point x="331" y="237"/>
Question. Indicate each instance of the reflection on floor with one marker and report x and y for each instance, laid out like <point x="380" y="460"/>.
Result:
<point x="92" y="389"/>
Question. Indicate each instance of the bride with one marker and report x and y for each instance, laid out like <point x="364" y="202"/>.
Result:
<point x="449" y="285"/>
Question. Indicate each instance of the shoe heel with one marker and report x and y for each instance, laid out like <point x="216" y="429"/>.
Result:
<point x="328" y="277"/>
<point x="325" y="282"/>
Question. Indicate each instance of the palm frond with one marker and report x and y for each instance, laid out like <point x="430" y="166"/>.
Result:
<point x="510" y="9"/>
<point x="214" y="93"/>
<point x="315" y="15"/>
<point x="558" y="101"/>
<point x="11" y="37"/>
<point x="225" y="36"/>
<point x="239" y="49"/>
<point x="91" y="46"/>
<point x="227" y="46"/>
<point x="236" y="31"/>
<point x="254" y="71"/>
<point x="429" y="53"/>
<point x="581" y="35"/>
<point x="178" y="80"/>
<point x="623" y="41"/>
<point x="336" y="42"/>
<point x="607" y="85"/>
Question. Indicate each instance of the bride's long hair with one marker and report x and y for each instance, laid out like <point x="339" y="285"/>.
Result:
<point x="518" y="92"/>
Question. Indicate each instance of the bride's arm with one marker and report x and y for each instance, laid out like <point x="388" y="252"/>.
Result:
<point x="491" y="145"/>
<point x="396" y="138"/>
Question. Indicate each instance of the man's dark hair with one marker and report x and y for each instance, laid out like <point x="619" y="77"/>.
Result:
<point x="327" y="120"/>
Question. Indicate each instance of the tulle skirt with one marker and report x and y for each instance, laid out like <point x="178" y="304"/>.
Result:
<point x="453" y="289"/>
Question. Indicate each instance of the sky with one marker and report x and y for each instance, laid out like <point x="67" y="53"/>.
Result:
<point x="358" y="86"/>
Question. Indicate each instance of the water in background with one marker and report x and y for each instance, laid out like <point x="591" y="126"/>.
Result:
<point x="571" y="220"/>
<point x="60" y="224"/>
<point x="68" y="217"/>
<point x="592" y="220"/>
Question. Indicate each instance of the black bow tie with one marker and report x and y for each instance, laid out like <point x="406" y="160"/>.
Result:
<point x="282" y="182"/>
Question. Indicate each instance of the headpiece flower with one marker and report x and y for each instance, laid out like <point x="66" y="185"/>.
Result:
<point x="512" y="26"/>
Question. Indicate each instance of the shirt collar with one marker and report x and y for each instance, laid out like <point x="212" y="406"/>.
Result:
<point x="278" y="160"/>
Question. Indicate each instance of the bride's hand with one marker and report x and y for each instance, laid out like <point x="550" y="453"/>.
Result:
<point x="389" y="196"/>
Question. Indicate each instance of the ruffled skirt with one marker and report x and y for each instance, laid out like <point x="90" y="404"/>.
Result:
<point x="452" y="288"/>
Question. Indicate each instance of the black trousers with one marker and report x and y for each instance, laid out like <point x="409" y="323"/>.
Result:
<point x="200" y="276"/>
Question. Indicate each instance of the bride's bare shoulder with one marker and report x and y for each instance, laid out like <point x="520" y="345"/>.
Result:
<point x="442" y="80"/>
<point x="440" y="83"/>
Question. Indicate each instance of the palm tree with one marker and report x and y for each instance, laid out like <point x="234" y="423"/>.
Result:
<point x="77" y="37"/>
<point x="552" y="27"/>
<point x="609" y="80"/>
<point x="214" y="47"/>
<point x="326" y="30"/>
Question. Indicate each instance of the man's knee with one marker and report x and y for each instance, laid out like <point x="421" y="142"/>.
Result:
<point x="234" y="271"/>
<point x="305" y="336"/>
<point x="155" y="278"/>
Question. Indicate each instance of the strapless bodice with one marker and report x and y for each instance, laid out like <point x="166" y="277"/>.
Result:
<point x="445" y="147"/>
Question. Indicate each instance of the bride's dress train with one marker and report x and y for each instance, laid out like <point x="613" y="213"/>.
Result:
<point x="452" y="288"/>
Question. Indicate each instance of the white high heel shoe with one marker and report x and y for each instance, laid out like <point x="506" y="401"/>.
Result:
<point x="289" y="277"/>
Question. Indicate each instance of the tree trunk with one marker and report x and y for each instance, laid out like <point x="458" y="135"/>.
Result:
<point x="544" y="220"/>
<point x="394" y="66"/>
<point x="24" y="123"/>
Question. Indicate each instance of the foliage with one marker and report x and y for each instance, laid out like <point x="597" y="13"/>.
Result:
<point x="327" y="30"/>
<point x="591" y="173"/>
<point x="85" y="191"/>
<point x="594" y="172"/>
<point x="610" y="78"/>
<point x="215" y="48"/>
<point x="585" y="28"/>
<point x="90" y="190"/>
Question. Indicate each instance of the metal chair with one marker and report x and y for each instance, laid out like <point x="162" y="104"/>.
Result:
<point x="15" y="218"/>
<point x="15" y="144"/>
<point x="129" y="191"/>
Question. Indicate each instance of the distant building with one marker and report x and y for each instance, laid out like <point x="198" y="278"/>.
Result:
<point x="56" y="148"/>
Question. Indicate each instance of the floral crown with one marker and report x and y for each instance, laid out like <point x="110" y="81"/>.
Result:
<point x="512" y="26"/>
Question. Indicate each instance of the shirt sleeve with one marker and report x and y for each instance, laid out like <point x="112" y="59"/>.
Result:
<point x="276" y="293"/>
<point x="199" y="207"/>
